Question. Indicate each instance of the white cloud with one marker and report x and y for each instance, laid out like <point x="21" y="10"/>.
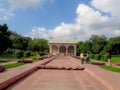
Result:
<point x="5" y="14"/>
<point x="108" y="6"/>
<point x="87" y="22"/>
<point x="26" y="3"/>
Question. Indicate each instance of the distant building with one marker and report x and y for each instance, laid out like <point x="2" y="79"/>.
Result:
<point x="63" y="47"/>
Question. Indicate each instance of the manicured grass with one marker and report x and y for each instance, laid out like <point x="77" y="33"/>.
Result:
<point x="115" y="59"/>
<point x="6" y="57"/>
<point x="110" y="68"/>
<point x="7" y="66"/>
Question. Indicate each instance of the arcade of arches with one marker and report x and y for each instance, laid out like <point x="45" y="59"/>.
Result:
<point x="62" y="47"/>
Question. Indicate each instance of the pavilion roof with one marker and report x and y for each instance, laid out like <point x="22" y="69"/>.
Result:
<point x="64" y="42"/>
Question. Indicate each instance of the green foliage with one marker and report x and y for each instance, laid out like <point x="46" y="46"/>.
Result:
<point x="39" y="45"/>
<point x="102" y="57"/>
<point x="103" y="53"/>
<point x="20" y="42"/>
<point x="97" y="57"/>
<point x="19" y="54"/>
<point x="114" y="44"/>
<point x="110" y="68"/>
<point x="33" y="53"/>
<point x="42" y="53"/>
<point x="105" y="57"/>
<point x="5" y="41"/>
<point x="27" y="53"/>
<point x="92" y="56"/>
<point x="83" y="47"/>
<point x="98" y="43"/>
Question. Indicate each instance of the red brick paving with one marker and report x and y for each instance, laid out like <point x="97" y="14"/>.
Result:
<point x="9" y="73"/>
<point x="108" y="78"/>
<point x="60" y="79"/>
<point x="92" y="78"/>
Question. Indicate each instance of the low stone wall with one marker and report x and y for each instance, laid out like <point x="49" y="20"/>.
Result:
<point x="13" y="80"/>
<point x="16" y="78"/>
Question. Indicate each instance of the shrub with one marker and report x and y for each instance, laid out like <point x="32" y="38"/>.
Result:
<point x="106" y="57"/>
<point x="27" y="54"/>
<point x="97" y="56"/>
<point x="19" y="54"/>
<point x="33" y="53"/>
<point x="92" y="56"/>
<point x="102" y="57"/>
<point x="42" y="53"/>
<point x="102" y="53"/>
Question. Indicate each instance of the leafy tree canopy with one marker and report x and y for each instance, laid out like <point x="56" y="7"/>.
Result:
<point x="20" y="42"/>
<point x="5" y="41"/>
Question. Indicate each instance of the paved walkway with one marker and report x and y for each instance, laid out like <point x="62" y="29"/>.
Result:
<point x="60" y="79"/>
<point x="9" y="73"/>
<point x="108" y="78"/>
<point x="92" y="78"/>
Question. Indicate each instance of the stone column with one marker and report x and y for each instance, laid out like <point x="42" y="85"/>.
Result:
<point x="50" y="49"/>
<point x="58" y="46"/>
<point x="66" y="49"/>
<point x="75" y="50"/>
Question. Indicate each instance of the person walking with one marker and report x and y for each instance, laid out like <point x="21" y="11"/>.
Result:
<point x="82" y="58"/>
<point x="87" y="58"/>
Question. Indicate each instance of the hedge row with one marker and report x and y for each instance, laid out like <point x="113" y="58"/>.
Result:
<point x="99" y="57"/>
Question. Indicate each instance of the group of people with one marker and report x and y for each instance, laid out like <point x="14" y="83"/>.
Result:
<point x="84" y="58"/>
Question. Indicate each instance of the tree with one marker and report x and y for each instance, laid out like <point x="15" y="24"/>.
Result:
<point x="113" y="45"/>
<point x="19" y="54"/>
<point x="39" y="45"/>
<point x="5" y="41"/>
<point x="20" y="42"/>
<point x="98" y="43"/>
<point x="86" y="46"/>
<point x="78" y="50"/>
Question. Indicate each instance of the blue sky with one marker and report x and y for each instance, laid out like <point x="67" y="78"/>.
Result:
<point x="61" y="19"/>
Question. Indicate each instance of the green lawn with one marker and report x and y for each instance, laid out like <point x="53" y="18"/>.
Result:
<point x="7" y="66"/>
<point x="6" y="57"/>
<point x="9" y="57"/>
<point x="115" y="59"/>
<point x="110" y="68"/>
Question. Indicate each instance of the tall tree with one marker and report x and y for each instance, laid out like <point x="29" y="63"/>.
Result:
<point x="113" y="45"/>
<point x="20" y="42"/>
<point x="39" y="45"/>
<point x="98" y="43"/>
<point x="5" y="41"/>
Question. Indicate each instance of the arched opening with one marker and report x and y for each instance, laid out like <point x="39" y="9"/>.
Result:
<point x="54" y="49"/>
<point x="71" y="49"/>
<point x="62" y="49"/>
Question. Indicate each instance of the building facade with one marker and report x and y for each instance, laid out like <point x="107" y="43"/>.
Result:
<point x="62" y="47"/>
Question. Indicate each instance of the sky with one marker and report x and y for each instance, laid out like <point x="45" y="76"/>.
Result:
<point x="62" y="19"/>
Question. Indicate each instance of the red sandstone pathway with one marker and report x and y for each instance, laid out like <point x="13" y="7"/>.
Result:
<point x="9" y="73"/>
<point x="60" y="79"/>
